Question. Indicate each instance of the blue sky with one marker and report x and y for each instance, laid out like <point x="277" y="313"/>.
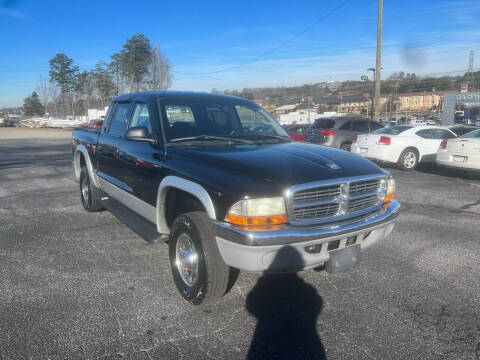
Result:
<point x="425" y="37"/>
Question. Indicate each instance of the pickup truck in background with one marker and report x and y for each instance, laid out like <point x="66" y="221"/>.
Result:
<point x="220" y="180"/>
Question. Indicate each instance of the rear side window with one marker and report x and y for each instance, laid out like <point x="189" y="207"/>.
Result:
<point x="360" y="126"/>
<point x="442" y="134"/>
<point x="374" y="126"/>
<point x="346" y="126"/>
<point x="393" y="130"/>
<point x="472" y="135"/>
<point x="324" y="123"/>
<point x="141" y="117"/>
<point x="425" y="133"/>
<point x="460" y="131"/>
<point x="119" y="121"/>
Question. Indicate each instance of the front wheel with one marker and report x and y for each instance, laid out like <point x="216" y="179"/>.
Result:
<point x="408" y="159"/>
<point x="198" y="270"/>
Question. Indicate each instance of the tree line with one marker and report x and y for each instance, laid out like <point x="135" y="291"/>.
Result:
<point x="398" y="82"/>
<point x="138" y="66"/>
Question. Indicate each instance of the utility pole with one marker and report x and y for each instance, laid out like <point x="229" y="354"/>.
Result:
<point x="378" y="64"/>
<point x="471" y="85"/>
<point x="373" y="93"/>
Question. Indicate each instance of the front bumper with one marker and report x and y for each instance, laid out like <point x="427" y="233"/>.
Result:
<point x="257" y="250"/>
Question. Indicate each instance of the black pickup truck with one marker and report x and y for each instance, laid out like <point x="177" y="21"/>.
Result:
<point x="219" y="179"/>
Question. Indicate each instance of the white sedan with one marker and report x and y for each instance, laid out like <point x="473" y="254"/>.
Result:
<point x="462" y="152"/>
<point x="404" y="145"/>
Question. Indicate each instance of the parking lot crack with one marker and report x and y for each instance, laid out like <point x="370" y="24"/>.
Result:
<point x="468" y="206"/>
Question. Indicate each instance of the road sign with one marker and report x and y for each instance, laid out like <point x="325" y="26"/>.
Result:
<point x="364" y="77"/>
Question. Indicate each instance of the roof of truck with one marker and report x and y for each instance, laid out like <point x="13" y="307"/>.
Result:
<point x="173" y="94"/>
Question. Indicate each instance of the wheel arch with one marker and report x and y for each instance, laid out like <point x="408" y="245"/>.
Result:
<point x="81" y="152"/>
<point x="190" y="187"/>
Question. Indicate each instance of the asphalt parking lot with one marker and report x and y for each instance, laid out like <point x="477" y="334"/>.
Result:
<point x="83" y="285"/>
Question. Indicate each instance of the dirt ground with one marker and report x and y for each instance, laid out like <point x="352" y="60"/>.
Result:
<point x="27" y="133"/>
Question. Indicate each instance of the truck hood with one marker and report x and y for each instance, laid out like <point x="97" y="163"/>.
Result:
<point x="281" y="165"/>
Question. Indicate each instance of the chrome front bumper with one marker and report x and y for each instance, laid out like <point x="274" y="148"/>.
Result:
<point x="257" y="250"/>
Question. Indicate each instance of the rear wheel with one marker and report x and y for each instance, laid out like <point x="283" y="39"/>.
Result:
<point x="198" y="270"/>
<point x="89" y="193"/>
<point x="346" y="147"/>
<point x="408" y="159"/>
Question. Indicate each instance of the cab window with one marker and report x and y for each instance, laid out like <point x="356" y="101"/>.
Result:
<point x="119" y="121"/>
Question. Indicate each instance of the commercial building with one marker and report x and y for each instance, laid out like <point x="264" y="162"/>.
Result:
<point x="466" y="103"/>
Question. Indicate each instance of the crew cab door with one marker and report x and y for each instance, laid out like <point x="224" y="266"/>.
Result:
<point x="109" y="145"/>
<point x="141" y="161"/>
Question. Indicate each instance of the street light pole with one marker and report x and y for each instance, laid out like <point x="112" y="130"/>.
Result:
<point x="378" y="63"/>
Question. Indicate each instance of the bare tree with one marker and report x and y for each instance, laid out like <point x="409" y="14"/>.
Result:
<point x="53" y="96"/>
<point x="160" y="71"/>
<point x="43" y="92"/>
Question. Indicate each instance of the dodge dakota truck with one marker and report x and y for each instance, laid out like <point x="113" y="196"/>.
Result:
<point x="220" y="181"/>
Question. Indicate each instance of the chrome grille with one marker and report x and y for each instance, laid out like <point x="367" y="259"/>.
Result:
<point x="334" y="200"/>
<point x="359" y="187"/>
<point x="312" y="212"/>
<point x="317" y="194"/>
<point x="362" y="203"/>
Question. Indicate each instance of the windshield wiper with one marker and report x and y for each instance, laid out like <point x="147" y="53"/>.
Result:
<point x="211" y="137"/>
<point x="267" y="136"/>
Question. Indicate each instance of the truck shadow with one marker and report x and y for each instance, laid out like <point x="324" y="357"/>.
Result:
<point x="287" y="309"/>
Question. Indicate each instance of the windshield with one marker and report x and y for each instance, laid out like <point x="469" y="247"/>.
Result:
<point x="472" y="135"/>
<point x="393" y="130"/>
<point x="197" y="120"/>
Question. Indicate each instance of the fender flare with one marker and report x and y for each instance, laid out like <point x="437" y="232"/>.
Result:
<point x="82" y="150"/>
<point x="185" y="185"/>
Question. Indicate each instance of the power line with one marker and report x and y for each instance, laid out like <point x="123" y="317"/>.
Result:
<point x="308" y="28"/>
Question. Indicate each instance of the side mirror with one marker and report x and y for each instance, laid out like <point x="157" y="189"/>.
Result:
<point x="139" y="133"/>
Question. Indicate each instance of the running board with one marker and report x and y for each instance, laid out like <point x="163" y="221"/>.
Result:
<point x="144" y="228"/>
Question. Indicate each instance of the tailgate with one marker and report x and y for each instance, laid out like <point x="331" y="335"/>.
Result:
<point x="463" y="146"/>
<point x="368" y="140"/>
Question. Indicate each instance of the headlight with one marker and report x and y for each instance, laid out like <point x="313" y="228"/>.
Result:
<point x="258" y="214"/>
<point x="390" y="190"/>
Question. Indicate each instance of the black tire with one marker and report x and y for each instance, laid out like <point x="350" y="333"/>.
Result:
<point x="89" y="193"/>
<point x="346" y="146"/>
<point x="408" y="159"/>
<point x="212" y="274"/>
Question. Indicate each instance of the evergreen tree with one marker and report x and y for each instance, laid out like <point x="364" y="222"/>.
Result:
<point x="63" y="72"/>
<point x="135" y="60"/>
<point x="104" y="81"/>
<point x="32" y="105"/>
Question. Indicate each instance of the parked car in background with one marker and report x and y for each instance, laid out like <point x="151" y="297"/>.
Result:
<point x="339" y="132"/>
<point x="462" y="152"/>
<point x="297" y="131"/>
<point x="95" y="124"/>
<point x="405" y="145"/>
<point x="461" y="130"/>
